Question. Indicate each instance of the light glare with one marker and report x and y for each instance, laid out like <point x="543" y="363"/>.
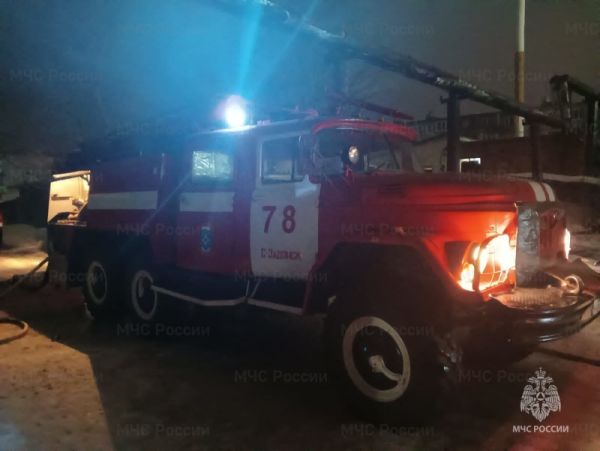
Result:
<point x="567" y="243"/>
<point x="235" y="116"/>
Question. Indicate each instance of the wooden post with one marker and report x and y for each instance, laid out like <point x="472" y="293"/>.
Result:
<point x="520" y="67"/>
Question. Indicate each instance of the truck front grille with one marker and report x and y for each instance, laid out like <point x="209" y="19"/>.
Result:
<point x="540" y="241"/>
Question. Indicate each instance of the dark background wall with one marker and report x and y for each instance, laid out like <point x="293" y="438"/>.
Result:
<point x="560" y="154"/>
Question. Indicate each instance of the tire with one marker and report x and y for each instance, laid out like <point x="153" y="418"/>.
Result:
<point x="144" y="304"/>
<point x="389" y="372"/>
<point x="102" y="286"/>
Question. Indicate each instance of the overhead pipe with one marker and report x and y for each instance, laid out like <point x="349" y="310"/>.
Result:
<point x="403" y="64"/>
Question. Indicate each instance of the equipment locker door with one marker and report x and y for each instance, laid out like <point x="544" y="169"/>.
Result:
<point x="206" y="221"/>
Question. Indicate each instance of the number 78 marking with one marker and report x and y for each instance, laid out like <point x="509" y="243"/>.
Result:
<point x="270" y="209"/>
<point x="289" y="218"/>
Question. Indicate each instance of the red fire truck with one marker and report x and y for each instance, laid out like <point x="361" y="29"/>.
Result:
<point x="332" y="217"/>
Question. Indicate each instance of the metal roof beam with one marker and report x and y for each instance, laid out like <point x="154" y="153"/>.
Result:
<point x="408" y="66"/>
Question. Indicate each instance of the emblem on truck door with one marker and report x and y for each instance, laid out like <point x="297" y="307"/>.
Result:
<point x="206" y="239"/>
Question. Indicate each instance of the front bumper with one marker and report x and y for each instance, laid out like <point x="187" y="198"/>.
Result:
<point x="529" y="316"/>
<point x="507" y="317"/>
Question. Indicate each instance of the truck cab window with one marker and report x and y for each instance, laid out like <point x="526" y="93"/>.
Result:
<point x="212" y="165"/>
<point x="378" y="152"/>
<point x="280" y="160"/>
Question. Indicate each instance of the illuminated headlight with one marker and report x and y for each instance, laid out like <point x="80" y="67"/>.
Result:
<point x="487" y="264"/>
<point x="467" y="275"/>
<point x="567" y="243"/>
<point x="498" y="248"/>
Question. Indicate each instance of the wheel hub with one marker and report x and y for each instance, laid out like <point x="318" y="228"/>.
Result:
<point x="378" y="366"/>
<point x="97" y="282"/>
<point x="376" y="359"/>
<point x="143" y="297"/>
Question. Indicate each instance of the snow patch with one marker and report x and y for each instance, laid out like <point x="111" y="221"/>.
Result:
<point x="587" y="248"/>
<point x="23" y="238"/>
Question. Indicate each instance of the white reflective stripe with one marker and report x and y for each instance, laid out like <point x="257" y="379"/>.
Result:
<point x="126" y="200"/>
<point x="550" y="192"/>
<point x="561" y="178"/>
<point x="215" y="202"/>
<point x="540" y="195"/>
<point x="275" y="306"/>
<point x="203" y="302"/>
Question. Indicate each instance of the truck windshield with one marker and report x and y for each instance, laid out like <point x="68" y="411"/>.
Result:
<point x="378" y="152"/>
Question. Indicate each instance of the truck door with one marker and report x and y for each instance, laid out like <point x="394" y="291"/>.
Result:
<point x="205" y="221"/>
<point x="284" y="212"/>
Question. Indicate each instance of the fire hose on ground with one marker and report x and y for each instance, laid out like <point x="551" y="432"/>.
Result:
<point x="22" y="325"/>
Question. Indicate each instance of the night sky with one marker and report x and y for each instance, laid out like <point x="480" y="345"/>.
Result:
<point x="72" y="71"/>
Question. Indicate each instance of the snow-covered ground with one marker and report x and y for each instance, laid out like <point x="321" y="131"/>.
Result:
<point x="23" y="237"/>
<point x="23" y="250"/>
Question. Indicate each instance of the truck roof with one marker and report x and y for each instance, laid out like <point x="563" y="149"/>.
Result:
<point x="117" y="147"/>
<point x="317" y="124"/>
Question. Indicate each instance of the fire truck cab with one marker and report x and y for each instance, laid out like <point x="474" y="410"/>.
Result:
<point x="333" y="217"/>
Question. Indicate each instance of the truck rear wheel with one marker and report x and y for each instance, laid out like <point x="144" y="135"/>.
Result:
<point x="144" y="303"/>
<point x="387" y="364"/>
<point x="101" y="287"/>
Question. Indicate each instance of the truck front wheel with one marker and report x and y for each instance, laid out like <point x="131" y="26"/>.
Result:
<point x="386" y="363"/>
